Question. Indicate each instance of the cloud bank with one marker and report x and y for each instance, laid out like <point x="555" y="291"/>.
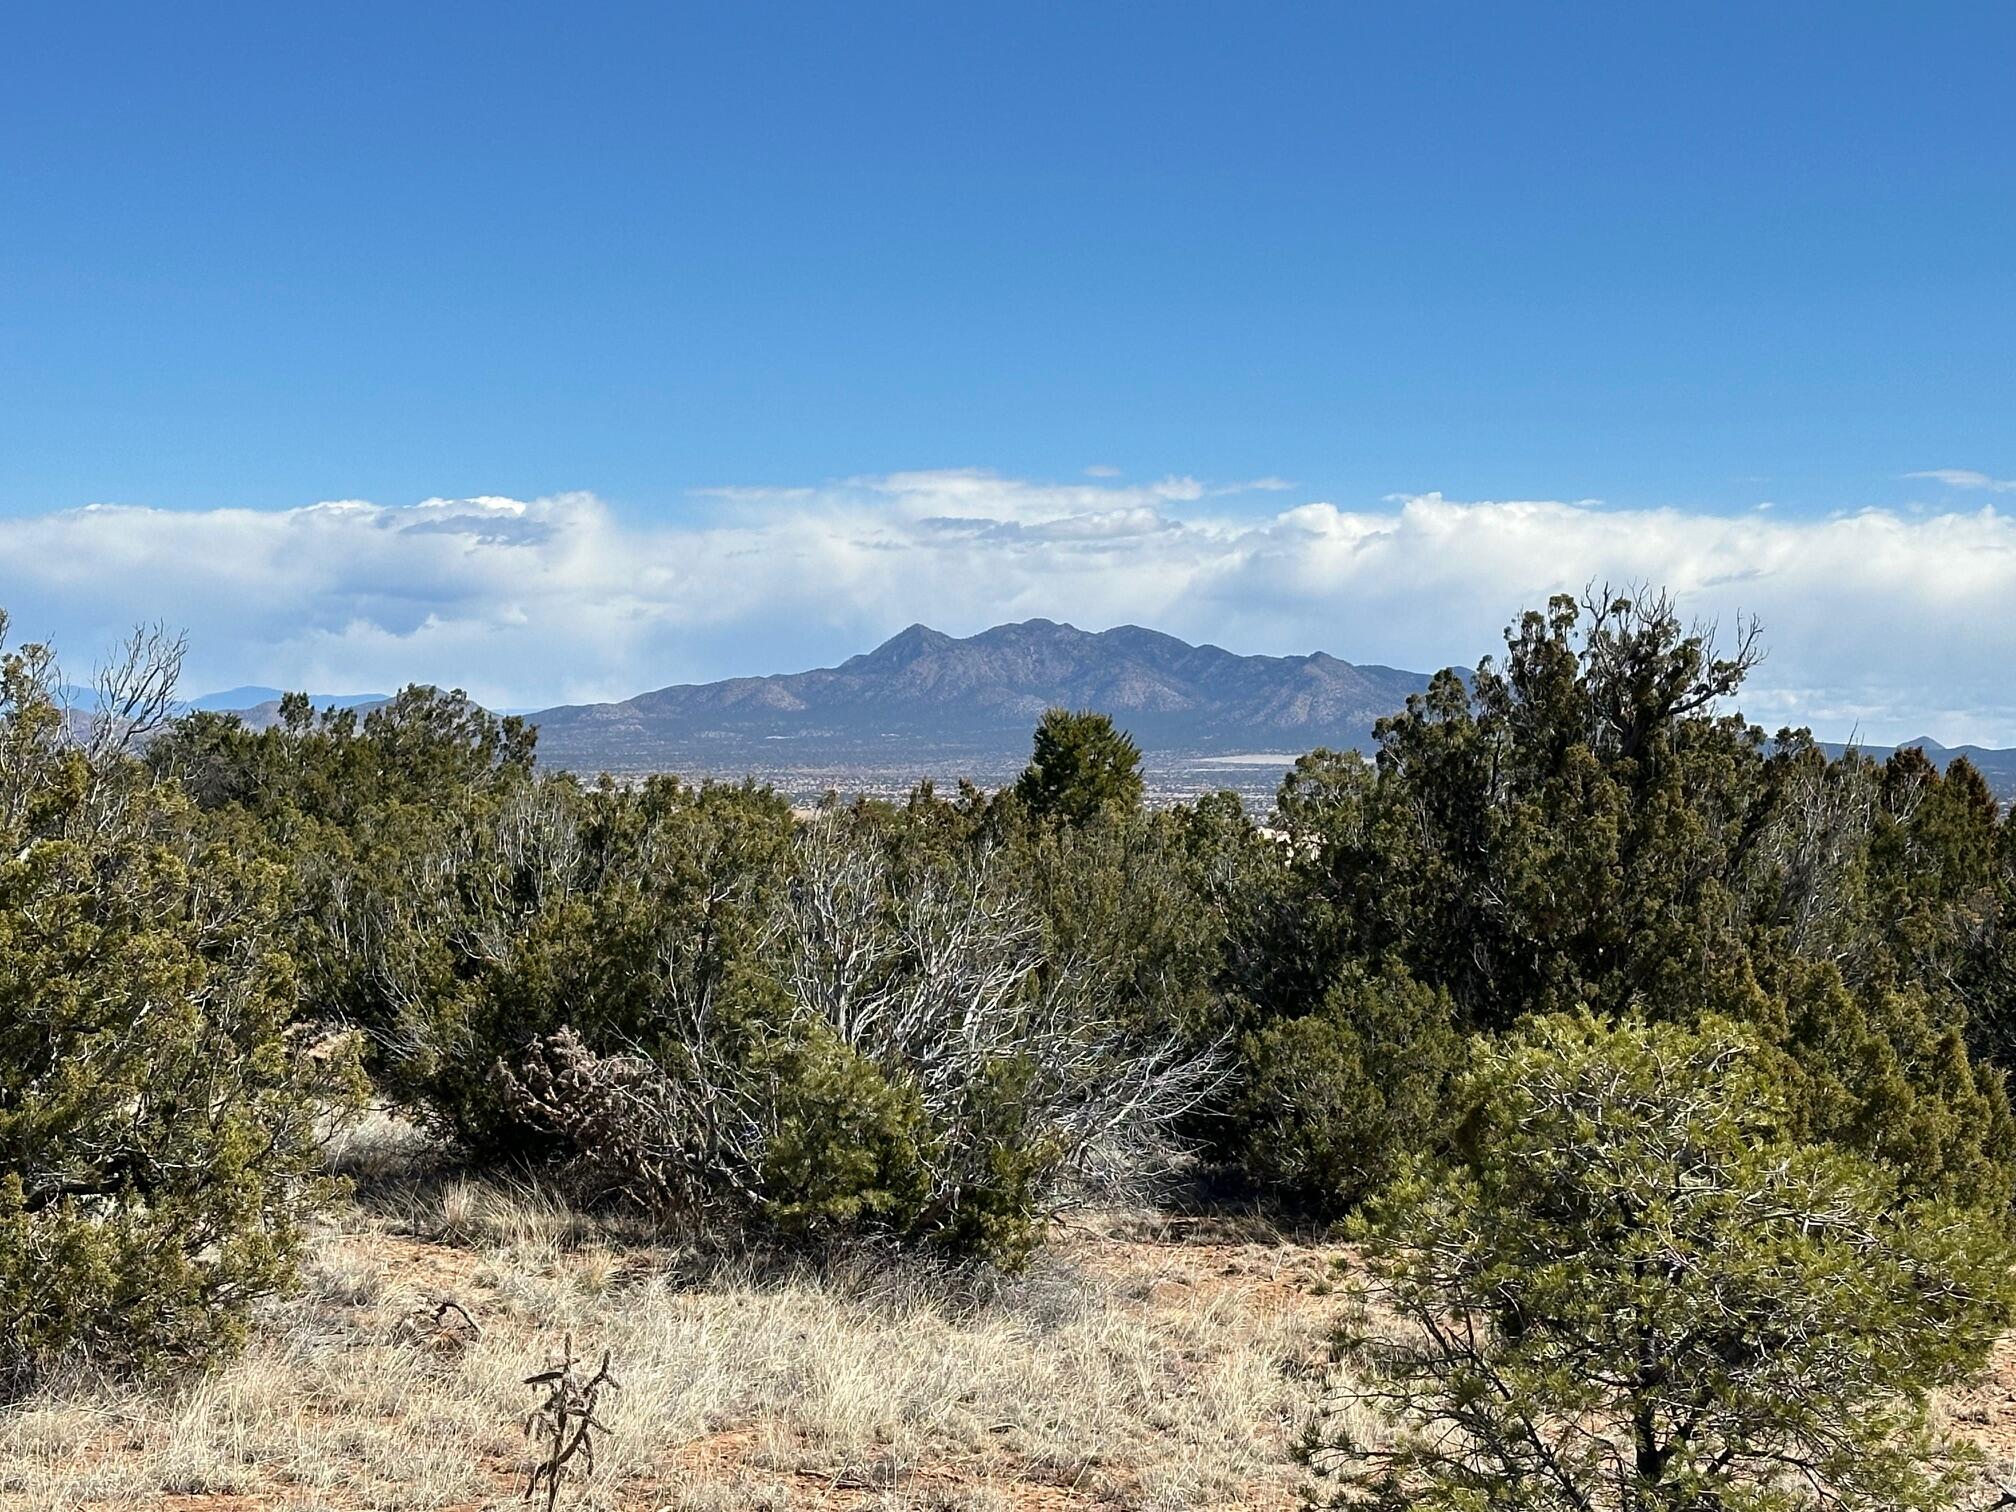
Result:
<point x="1890" y="624"/>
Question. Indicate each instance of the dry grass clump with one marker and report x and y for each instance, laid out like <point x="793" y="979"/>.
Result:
<point x="1151" y="1371"/>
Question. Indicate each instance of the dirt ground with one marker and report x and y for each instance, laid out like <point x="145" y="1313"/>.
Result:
<point x="1142" y="1363"/>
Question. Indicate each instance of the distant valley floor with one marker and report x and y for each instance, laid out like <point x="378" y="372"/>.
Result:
<point x="805" y="775"/>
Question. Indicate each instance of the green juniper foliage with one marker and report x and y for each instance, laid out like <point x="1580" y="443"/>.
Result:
<point x="343" y="802"/>
<point x="869" y="1023"/>
<point x="933" y="1021"/>
<point x="1587" y="826"/>
<point x="1332" y="1099"/>
<point x="158" y="1146"/>
<point x="1633" y="1291"/>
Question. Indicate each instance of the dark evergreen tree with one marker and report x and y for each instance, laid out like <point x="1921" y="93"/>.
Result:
<point x="1587" y="827"/>
<point x="1081" y="766"/>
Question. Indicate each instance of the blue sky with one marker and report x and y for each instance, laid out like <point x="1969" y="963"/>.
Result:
<point x="1680" y="260"/>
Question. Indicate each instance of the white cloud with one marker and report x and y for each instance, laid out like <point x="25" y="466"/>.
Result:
<point x="1961" y="477"/>
<point x="1890" y="623"/>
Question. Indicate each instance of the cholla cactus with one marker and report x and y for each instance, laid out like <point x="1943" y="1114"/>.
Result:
<point x="563" y="1426"/>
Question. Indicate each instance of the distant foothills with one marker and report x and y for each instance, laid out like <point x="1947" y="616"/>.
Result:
<point x="925" y="703"/>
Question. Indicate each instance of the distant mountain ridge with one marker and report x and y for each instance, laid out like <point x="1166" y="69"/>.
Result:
<point x="238" y="700"/>
<point x="925" y="690"/>
<point x="259" y="707"/>
<point x="1997" y="767"/>
<point x="924" y="702"/>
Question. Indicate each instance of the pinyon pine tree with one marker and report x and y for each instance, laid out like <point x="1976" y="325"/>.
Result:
<point x="1632" y="1293"/>
<point x="1080" y="765"/>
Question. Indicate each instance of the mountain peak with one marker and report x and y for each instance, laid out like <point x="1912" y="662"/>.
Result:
<point x="924" y="690"/>
<point x="906" y="645"/>
<point x="1045" y="629"/>
<point x="917" y="634"/>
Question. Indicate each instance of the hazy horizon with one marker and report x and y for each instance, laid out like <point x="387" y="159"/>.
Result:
<point x="218" y="698"/>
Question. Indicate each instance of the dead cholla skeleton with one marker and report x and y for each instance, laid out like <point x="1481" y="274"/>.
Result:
<point x="564" y="1425"/>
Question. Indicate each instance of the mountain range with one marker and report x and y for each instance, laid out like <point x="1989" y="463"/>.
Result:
<point x="925" y="703"/>
<point x="1997" y="767"/>
<point x="924" y="690"/>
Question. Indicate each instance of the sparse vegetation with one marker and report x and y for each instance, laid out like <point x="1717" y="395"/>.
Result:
<point x="1137" y="1362"/>
<point x="1612" y="1024"/>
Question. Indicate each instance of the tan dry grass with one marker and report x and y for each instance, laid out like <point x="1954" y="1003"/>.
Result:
<point x="1132" y="1368"/>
